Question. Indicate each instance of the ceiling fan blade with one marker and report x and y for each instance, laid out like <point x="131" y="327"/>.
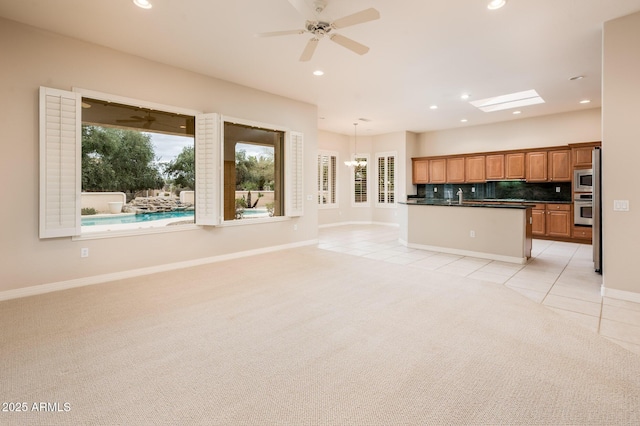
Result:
<point x="352" y="45"/>
<point x="280" y="33"/>
<point x="308" y="51"/>
<point x="366" y="15"/>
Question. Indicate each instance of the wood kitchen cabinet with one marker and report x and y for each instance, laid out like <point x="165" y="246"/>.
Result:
<point x="538" y="220"/>
<point x="420" y="171"/>
<point x="559" y="221"/>
<point x="438" y="170"/>
<point x="536" y="166"/>
<point x="494" y="167"/>
<point x="560" y="166"/>
<point x="581" y="157"/>
<point x="582" y="232"/>
<point x="514" y="165"/>
<point x="455" y="170"/>
<point x="551" y="220"/>
<point x="474" y="169"/>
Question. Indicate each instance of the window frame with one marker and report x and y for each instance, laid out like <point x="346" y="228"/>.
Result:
<point x="293" y="165"/>
<point x="334" y="179"/>
<point x="352" y="178"/>
<point x="386" y="191"/>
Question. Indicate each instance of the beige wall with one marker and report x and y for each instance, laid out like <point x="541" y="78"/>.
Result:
<point x="620" y="152"/>
<point x="33" y="58"/>
<point x="549" y="130"/>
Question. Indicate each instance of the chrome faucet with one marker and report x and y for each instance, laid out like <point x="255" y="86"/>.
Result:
<point x="459" y="194"/>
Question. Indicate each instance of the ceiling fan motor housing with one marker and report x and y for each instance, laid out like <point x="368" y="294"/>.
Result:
<point x="318" y="28"/>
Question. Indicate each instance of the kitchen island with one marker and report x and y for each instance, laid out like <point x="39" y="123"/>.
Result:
<point x="490" y="231"/>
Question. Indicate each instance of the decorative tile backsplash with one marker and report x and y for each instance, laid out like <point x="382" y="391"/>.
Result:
<point x="498" y="190"/>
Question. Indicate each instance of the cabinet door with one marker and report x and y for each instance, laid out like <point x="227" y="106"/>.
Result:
<point x="438" y="170"/>
<point x="560" y="166"/>
<point x="514" y="166"/>
<point x="559" y="220"/>
<point x="559" y="223"/>
<point x="536" y="166"/>
<point x="455" y="170"/>
<point x="474" y="169"/>
<point x="538" y="221"/>
<point x="420" y="171"/>
<point x="495" y="166"/>
<point x="582" y="157"/>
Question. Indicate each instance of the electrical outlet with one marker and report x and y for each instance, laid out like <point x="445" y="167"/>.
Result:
<point x="84" y="252"/>
<point x="473" y="189"/>
<point x="435" y="189"/>
<point x="557" y="189"/>
<point x="295" y="227"/>
<point x="472" y="234"/>
<point x="309" y="197"/>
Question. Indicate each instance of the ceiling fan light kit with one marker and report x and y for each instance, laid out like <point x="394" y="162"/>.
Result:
<point x="319" y="28"/>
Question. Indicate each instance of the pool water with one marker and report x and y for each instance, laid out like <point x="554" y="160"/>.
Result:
<point x="135" y="218"/>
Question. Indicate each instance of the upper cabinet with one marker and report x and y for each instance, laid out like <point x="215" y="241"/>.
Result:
<point x="581" y="154"/>
<point x="548" y="166"/>
<point x="474" y="169"/>
<point x="420" y="171"/>
<point x="494" y="166"/>
<point x="553" y="164"/>
<point x="438" y="170"/>
<point x="560" y="166"/>
<point x="455" y="170"/>
<point x="514" y="165"/>
<point x="537" y="166"/>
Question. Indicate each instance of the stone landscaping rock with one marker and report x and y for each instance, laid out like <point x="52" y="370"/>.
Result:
<point x="155" y="204"/>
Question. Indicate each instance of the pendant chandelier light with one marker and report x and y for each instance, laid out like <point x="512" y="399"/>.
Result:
<point x="355" y="162"/>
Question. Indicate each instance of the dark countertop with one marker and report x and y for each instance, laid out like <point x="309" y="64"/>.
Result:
<point x="474" y="203"/>
<point x="412" y="198"/>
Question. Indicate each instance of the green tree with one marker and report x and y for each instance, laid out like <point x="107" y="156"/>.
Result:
<point x="182" y="170"/>
<point x="118" y="160"/>
<point x="254" y="173"/>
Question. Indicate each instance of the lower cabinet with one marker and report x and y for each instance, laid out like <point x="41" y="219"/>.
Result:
<point x="583" y="232"/>
<point x="552" y="220"/>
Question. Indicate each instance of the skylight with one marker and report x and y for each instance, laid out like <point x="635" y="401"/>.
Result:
<point x="512" y="100"/>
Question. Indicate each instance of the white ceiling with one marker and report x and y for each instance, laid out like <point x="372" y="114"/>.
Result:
<point x="423" y="52"/>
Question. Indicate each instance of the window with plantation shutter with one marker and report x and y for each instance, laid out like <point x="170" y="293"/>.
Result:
<point x="208" y="180"/>
<point x="327" y="176"/>
<point x="386" y="179"/>
<point x="60" y="165"/>
<point x="294" y="200"/>
<point x="359" y="180"/>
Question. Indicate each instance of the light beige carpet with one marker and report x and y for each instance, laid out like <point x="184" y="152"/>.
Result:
<point x="311" y="337"/>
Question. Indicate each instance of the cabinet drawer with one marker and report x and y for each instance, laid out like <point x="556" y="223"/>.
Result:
<point x="561" y="207"/>
<point x="539" y="207"/>
<point x="582" y="232"/>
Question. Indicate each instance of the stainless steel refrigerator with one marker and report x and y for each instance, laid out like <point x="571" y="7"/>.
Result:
<point x="597" y="209"/>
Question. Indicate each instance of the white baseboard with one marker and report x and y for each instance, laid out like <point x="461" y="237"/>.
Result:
<point x="481" y="255"/>
<point x="629" y="296"/>
<point x="331" y="225"/>
<point x="99" y="279"/>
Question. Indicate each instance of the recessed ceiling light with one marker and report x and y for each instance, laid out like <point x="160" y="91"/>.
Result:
<point x="517" y="112"/>
<point x="577" y="77"/>
<point x="496" y="4"/>
<point x="464" y="120"/>
<point x="512" y="100"/>
<point x="433" y="107"/>
<point x="465" y="96"/>
<point x="318" y="72"/>
<point x="143" y="4"/>
<point x="585" y="101"/>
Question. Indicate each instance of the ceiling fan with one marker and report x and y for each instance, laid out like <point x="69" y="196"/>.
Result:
<point x="320" y="28"/>
<point x="147" y="120"/>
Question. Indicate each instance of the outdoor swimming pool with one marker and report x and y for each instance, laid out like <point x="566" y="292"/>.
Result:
<point x="135" y="218"/>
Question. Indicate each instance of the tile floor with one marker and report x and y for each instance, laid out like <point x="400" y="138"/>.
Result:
<point x="559" y="275"/>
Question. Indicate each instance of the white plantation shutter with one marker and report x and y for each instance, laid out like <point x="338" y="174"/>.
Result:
<point x="208" y="180"/>
<point x="294" y="199"/>
<point x="60" y="162"/>
<point x="386" y="163"/>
